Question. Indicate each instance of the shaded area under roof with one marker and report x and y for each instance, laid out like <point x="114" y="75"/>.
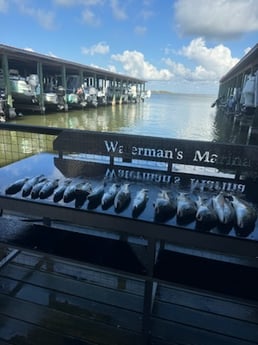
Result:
<point x="29" y="56"/>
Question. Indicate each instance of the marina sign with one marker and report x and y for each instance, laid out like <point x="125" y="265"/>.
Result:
<point x="195" y="164"/>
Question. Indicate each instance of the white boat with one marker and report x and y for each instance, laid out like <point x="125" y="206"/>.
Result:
<point x="145" y="95"/>
<point x="102" y="96"/>
<point x="91" y="96"/>
<point x="23" y="90"/>
<point x="250" y="91"/>
<point x="132" y="94"/>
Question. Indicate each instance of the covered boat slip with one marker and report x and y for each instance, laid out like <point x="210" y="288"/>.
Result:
<point x="98" y="276"/>
<point x="38" y="83"/>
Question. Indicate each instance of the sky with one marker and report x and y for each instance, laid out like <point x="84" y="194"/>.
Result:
<point x="183" y="46"/>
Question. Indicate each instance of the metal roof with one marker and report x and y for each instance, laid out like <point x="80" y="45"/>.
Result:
<point x="34" y="56"/>
<point x="249" y="61"/>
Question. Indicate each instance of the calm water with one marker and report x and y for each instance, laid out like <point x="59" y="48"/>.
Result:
<point x="165" y="115"/>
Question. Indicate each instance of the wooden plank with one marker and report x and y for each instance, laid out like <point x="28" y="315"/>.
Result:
<point x="8" y="257"/>
<point x="244" y="310"/>
<point x="18" y="332"/>
<point x="209" y="321"/>
<point x="2" y="342"/>
<point x="66" y="285"/>
<point x="72" y="304"/>
<point x="82" y="272"/>
<point x="66" y="324"/>
<point x="183" y="334"/>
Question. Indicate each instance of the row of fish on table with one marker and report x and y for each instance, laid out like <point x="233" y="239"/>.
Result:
<point x="220" y="209"/>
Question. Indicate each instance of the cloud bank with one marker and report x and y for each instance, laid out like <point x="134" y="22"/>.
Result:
<point x="210" y="63"/>
<point x="134" y="64"/>
<point x="217" y="19"/>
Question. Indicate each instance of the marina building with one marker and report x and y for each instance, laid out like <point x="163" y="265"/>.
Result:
<point x="240" y="84"/>
<point x="37" y="82"/>
<point x="238" y="95"/>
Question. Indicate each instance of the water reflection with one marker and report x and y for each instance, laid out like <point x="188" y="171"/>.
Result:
<point x="106" y="118"/>
<point x="229" y="129"/>
<point x="165" y="115"/>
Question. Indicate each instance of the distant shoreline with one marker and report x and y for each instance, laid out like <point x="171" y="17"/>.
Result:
<point x="158" y="92"/>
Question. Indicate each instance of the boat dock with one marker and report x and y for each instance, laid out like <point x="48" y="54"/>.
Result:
<point x="40" y="83"/>
<point x="238" y="95"/>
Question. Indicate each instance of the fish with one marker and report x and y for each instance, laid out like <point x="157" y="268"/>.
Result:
<point x="70" y="191"/>
<point x="223" y="208"/>
<point x="246" y="213"/>
<point x="95" y="196"/>
<point x="59" y="191"/>
<point x="205" y="213"/>
<point x="122" y="198"/>
<point x="27" y="187"/>
<point x="109" y="196"/>
<point x="36" y="189"/>
<point x="48" y="189"/>
<point x="164" y="206"/>
<point x="186" y="207"/>
<point x="96" y="193"/>
<point x="16" y="186"/>
<point x="140" y="201"/>
<point x="82" y="190"/>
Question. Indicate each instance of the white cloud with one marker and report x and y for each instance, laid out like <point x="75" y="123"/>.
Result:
<point x="78" y="2"/>
<point x="140" y="30"/>
<point x="146" y="14"/>
<point x="45" y="18"/>
<point x="112" y="68"/>
<point x="3" y="6"/>
<point x="29" y="49"/>
<point x="247" y="50"/>
<point x="210" y="63"/>
<point x="216" y="18"/>
<point x="118" y="10"/>
<point x="134" y="65"/>
<point x="52" y="55"/>
<point x="64" y="2"/>
<point x="217" y="59"/>
<point x="99" y="48"/>
<point x="90" y="18"/>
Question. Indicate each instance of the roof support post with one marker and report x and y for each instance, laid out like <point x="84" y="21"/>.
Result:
<point x="7" y="83"/>
<point x="41" y="87"/>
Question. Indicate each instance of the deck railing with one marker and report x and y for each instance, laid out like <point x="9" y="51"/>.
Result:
<point x="21" y="141"/>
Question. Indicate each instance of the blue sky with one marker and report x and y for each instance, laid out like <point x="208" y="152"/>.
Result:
<point x="176" y="45"/>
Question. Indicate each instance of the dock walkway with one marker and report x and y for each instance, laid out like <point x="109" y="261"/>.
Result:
<point x="57" y="296"/>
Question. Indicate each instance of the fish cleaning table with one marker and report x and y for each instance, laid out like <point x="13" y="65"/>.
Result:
<point x="145" y="163"/>
<point x="154" y="164"/>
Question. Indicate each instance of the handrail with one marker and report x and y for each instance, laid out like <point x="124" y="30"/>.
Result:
<point x="31" y="128"/>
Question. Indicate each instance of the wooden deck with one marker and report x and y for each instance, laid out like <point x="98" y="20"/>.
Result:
<point x="45" y="300"/>
<point x="49" y="299"/>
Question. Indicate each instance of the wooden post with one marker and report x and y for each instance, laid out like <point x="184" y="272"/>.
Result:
<point x="41" y="92"/>
<point x="149" y="290"/>
<point x="64" y="84"/>
<point x="7" y="82"/>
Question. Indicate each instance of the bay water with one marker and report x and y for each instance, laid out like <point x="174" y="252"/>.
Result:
<point x="171" y="115"/>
